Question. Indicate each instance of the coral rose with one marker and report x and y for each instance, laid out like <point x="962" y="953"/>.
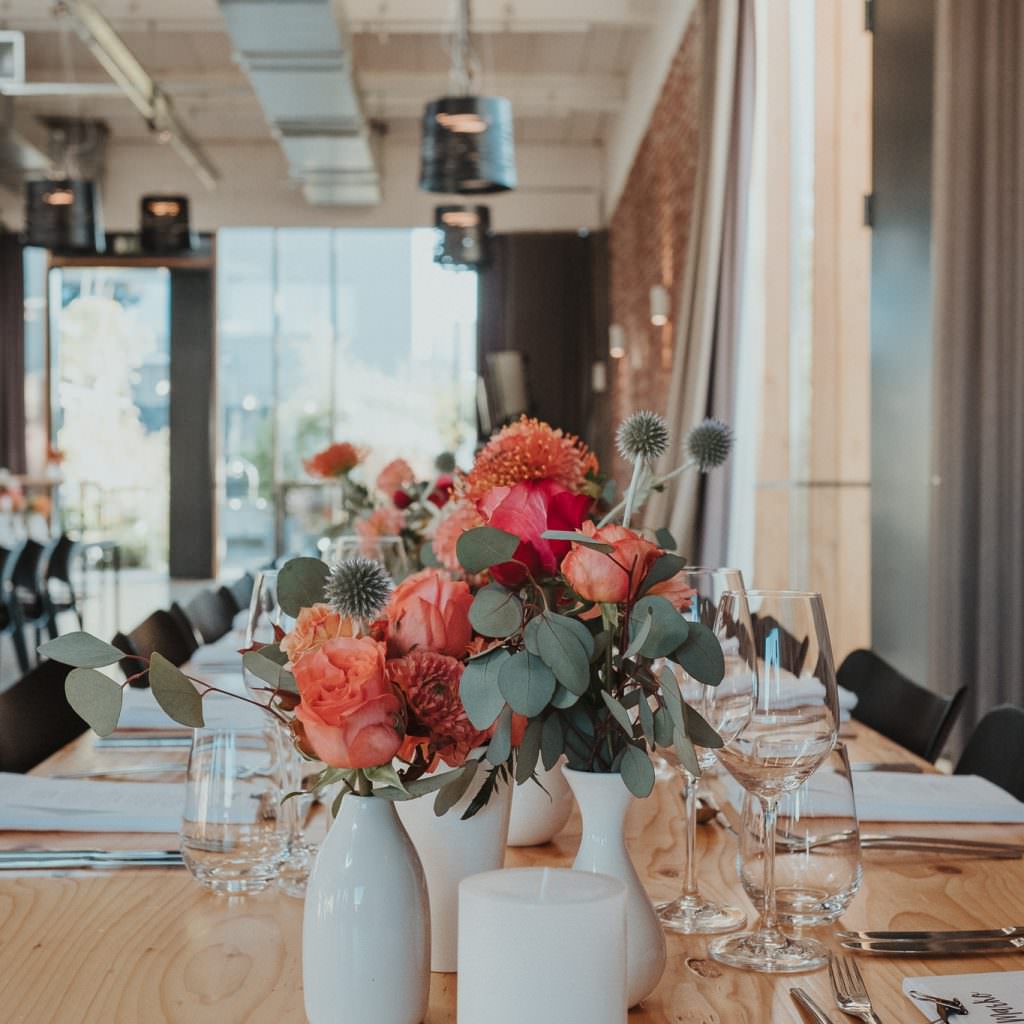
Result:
<point x="351" y="715"/>
<point x="429" y="611"/>
<point x="335" y="460"/>
<point x="610" y="577"/>
<point x="527" y="510"/>
<point x="314" y="626"/>
<point x="438" y="725"/>
<point x="394" y="476"/>
<point x="676" y="590"/>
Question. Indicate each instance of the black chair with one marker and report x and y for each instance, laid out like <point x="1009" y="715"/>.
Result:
<point x="898" y="707"/>
<point x="211" y="614"/>
<point x="54" y="582"/>
<point x="36" y="719"/>
<point x="25" y="581"/>
<point x="995" y="750"/>
<point x="11" y="623"/>
<point x="240" y="592"/>
<point x="185" y="625"/>
<point x="157" y="633"/>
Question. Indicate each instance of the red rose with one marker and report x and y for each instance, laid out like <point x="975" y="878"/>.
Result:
<point x="442" y="491"/>
<point x="401" y="500"/>
<point x="527" y="510"/>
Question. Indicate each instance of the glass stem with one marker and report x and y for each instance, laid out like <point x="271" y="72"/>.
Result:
<point x="690" y="891"/>
<point x="769" y="915"/>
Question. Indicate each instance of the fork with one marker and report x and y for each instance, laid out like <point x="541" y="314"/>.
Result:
<point x="848" y="988"/>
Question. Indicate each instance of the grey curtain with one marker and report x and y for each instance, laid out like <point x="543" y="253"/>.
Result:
<point x="12" y="355"/>
<point x="977" y="592"/>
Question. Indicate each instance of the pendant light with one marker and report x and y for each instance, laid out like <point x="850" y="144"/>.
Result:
<point x="467" y="146"/>
<point x="462" y="235"/>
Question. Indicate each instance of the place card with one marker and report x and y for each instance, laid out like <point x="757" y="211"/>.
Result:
<point x="996" y="998"/>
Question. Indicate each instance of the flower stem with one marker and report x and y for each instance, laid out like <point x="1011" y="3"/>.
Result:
<point x="363" y="786"/>
<point x="656" y="482"/>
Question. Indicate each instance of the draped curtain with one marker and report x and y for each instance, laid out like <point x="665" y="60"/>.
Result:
<point x="12" y="355"/>
<point x="707" y="331"/>
<point x="977" y="587"/>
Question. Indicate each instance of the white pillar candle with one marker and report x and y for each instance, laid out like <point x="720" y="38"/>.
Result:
<point x="544" y="945"/>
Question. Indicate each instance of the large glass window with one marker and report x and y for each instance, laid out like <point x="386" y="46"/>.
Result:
<point x="341" y="334"/>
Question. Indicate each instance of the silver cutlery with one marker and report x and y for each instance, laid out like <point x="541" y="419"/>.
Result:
<point x="924" y="844"/>
<point x="718" y="816"/>
<point x="967" y="844"/>
<point x="965" y="947"/>
<point x="803" y="1000"/>
<point x="887" y="766"/>
<point x="128" y="770"/>
<point x="125" y="740"/>
<point x="850" y="992"/>
<point x="1010" y="932"/>
<point x="51" y="860"/>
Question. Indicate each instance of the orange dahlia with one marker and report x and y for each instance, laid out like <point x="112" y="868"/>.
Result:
<point x="528" y="449"/>
<point x="437" y="723"/>
<point x="334" y="460"/>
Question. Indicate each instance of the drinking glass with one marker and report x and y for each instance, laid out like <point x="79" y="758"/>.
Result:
<point x="265" y="613"/>
<point x="231" y="838"/>
<point x="777" y="711"/>
<point x="817" y="847"/>
<point x="389" y="551"/>
<point x="690" y="913"/>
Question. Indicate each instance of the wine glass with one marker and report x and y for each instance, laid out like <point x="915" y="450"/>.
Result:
<point x="777" y="711"/>
<point x="690" y="913"/>
<point x="388" y="550"/>
<point x="266" y="619"/>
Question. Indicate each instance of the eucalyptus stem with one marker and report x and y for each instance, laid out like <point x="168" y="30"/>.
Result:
<point x="363" y="786"/>
<point x="639" y="468"/>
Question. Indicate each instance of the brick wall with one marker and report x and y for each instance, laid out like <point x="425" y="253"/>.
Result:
<point x="649" y="231"/>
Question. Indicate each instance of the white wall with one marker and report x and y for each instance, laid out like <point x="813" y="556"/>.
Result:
<point x="560" y="190"/>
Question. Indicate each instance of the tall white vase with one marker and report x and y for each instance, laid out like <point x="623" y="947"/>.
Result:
<point x="366" y="925"/>
<point x="450" y="850"/>
<point x="604" y="800"/>
<point x="538" y="815"/>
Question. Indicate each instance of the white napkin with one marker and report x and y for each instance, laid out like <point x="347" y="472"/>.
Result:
<point x="221" y="653"/>
<point x="989" y="998"/>
<point x="139" y="710"/>
<point x="901" y="796"/>
<point x="35" y="803"/>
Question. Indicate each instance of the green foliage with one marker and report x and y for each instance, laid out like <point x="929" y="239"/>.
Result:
<point x="455" y="788"/>
<point x="300" y="584"/>
<point x="268" y="665"/>
<point x="496" y="612"/>
<point x="578" y="538"/>
<point x="175" y="693"/>
<point x="526" y="683"/>
<point x="95" y="697"/>
<point x="552" y="741"/>
<point x="668" y="629"/>
<point x="618" y="712"/>
<point x="665" y="539"/>
<point x="529" y="750"/>
<point x="500" y="747"/>
<point x="701" y="655"/>
<point x="481" y="696"/>
<point x="565" y="646"/>
<point x="663" y="569"/>
<point x="637" y="771"/>
<point x="480" y="548"/>
<point x="81" y="650"/>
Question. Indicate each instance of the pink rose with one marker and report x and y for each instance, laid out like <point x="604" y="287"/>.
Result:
<point x="429" y="611"/>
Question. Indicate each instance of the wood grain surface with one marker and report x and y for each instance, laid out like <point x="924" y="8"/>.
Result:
<point x="141" y="947"/>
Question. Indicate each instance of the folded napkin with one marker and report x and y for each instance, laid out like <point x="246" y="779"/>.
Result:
<point x="989" y="998"/>
<point x="35" y="803"/>
<point x="139" y="710"/>
<point x="224" y="652"/>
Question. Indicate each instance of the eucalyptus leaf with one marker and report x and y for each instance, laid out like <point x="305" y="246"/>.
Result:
<point x="529" y="750"/>
<point x="81" y="650"/>
<point x="175" y="693"/>
<point x="483" y="546"/>
<point x="95" y="697"/>
<point x="646" y="719"/>
<point x="526" y="683"/>
<point x="618" y="712"/>
<point x="496" y="612"/>
<point x="673" y="699"/>
<point x="664" y="568"/>
<point x="455" y="789"/>
<point x="563" y="698"/>
<point x="664" y="729"/>
<point x="665" y="539"/>
<point x="701" y="655"/>
<point x="386" y="775"/>
<point x="668" y="629"/>
<point x="300" y="584"/>
<point x="686" y="753"/>
<point x="699" y="730"/>
<point x="270" y="671"/>
<point x="552" y="742"/>
<point x="500" y="746"/>
<point x="483" y="795"/>
<point x="578" y="538"/>
<point x="428" y="557"/>
<point x="564" y="645"/>
<point x="640" y="625"/>
<point x="479" y="690"/>
<point x="637" y="771"/>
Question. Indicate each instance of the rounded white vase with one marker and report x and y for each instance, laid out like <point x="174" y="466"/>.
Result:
<point x="604" y="800"/>
<point x="366" y="924"/>
<point x="450" y="850"/>
<point x="539" y="812"/>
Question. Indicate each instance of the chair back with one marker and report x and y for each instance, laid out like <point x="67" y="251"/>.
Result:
<point x="157" y="633"/>
<point x="35" y="718"/>
<point x="897" y="707"/>
<point x="241" y="591"/>
<point x="185" y="625"/>
<point x="210" y="614"/>
<point x="24" y="573"/>
<point x="995" y="750"/>
<point x="59" y="564"/>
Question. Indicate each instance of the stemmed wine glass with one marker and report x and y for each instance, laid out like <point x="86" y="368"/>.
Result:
<point x="388" y="550"/>
<point x="264" y="615"/>
<point x="777" y="712"/>
<point x="690" y="913"/>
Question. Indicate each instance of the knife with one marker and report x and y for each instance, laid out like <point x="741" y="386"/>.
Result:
<point x="802" y="999"/>
<point x="82" y="863"/>
<point x="934" y="846"/>
<point x="887" y="766"/>
<point x="144" y="741"/>
<point x="941" y="948"/>
<point x="147" y="855"/>
<point x="967" y="844"/>
<point x="1012" y="931"/>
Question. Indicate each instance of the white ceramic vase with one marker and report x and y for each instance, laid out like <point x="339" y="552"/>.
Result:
<point x="450" y="850"/>
<point x="366" y="924"/>
<point x="539" y="814"/>
<point x="604" y="800"/>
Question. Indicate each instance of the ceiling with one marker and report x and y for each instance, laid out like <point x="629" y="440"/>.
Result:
<point x="564" y="64"/>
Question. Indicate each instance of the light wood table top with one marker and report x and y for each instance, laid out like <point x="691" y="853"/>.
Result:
<point x="141" y="947"/>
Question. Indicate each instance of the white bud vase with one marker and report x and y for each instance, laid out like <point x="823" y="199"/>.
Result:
<point x="452" y="849"/>
<point x="604" y="800"/>
<point x="366" y="924"/>
<point x="539" y="812"/>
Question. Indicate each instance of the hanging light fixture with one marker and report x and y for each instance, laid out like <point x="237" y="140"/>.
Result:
<point x="462" y="234"/>
<point x="467" y="146"/>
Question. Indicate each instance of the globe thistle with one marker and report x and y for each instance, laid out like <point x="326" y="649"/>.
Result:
<point x="358" y="588"/>
<point x="642" y="436"/>
<point x="709" y="444"/>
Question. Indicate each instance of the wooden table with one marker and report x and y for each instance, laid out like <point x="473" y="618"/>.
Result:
<point x="141" y="947"/>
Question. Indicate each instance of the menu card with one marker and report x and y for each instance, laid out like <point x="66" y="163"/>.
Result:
<point x="997" y="998"/>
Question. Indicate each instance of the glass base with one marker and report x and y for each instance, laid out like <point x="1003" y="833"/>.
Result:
<point x="293" y="873"/>
<point x="771" y="954"/>
<point x="699" y="917"/>
<point x="235" y="886"/>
